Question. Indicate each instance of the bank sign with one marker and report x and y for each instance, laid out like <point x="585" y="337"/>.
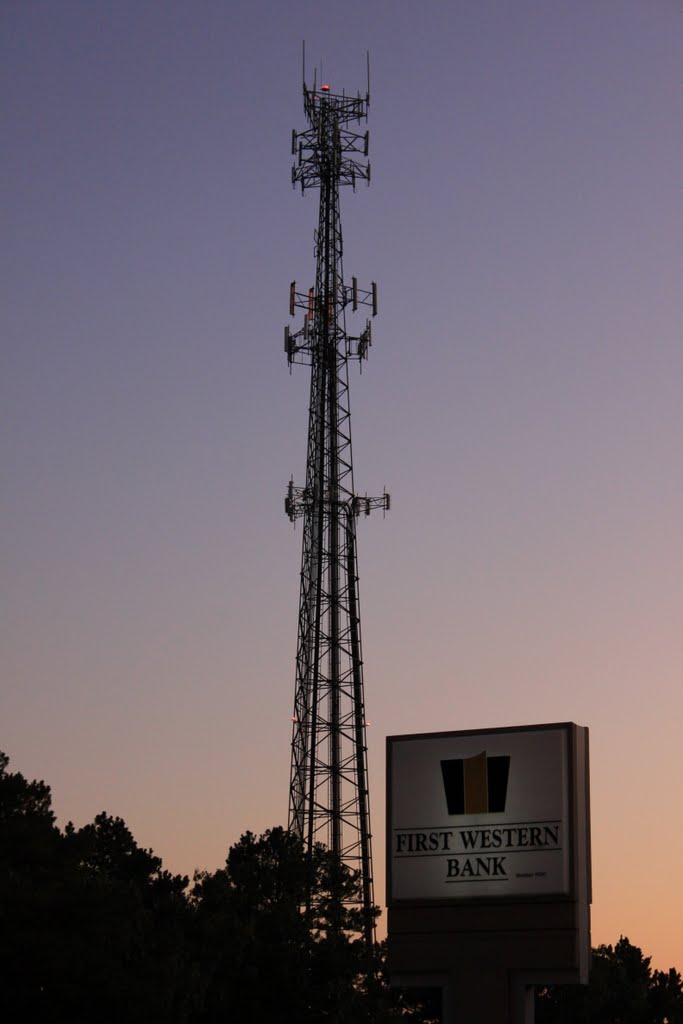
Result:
<point x="479" y="814"/>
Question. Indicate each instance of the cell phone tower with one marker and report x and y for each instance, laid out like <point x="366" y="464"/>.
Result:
<point x="329" y="799"/>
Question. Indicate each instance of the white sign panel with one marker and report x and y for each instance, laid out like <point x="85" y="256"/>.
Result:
<point x="479" y="814"/>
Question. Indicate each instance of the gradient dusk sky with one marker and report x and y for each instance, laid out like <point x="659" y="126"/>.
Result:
<point x="522" y="404"/>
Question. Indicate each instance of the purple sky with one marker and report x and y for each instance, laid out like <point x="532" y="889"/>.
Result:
<point x="522" y="404"/>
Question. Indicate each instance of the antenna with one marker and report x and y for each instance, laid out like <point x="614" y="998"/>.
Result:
<point x="367" y="95"/>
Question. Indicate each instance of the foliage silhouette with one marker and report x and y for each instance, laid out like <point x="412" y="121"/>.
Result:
<point x="622" y="990"/>
<point x="92" y="928"/>
<point x="268" y="956"/>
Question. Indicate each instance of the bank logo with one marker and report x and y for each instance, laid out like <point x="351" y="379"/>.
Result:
<point x="476" y="785"/>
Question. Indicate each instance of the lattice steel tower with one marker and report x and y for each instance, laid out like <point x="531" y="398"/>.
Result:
<point x="328" y="800"/>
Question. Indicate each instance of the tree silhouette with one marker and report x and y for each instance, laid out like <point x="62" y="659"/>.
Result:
<point x="622" y="990"/>
<point x="93" y="929"/>
<point x="269" y="956"/>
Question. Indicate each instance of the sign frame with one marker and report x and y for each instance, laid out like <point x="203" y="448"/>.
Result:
<point x="577" y="824"/>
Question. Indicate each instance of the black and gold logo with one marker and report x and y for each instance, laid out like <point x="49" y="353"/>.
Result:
<point x="476" y="785"/>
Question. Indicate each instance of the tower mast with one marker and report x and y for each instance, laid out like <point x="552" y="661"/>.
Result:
<point x="328" y="799"/>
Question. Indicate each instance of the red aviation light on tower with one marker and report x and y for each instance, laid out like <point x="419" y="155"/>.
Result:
<point x="325" y="88"/>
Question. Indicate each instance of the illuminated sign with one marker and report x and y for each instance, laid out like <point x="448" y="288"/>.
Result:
<point x="482" y="814"/>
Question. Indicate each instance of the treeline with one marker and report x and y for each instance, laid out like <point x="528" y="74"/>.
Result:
<point x="93" y="929"/>
<point x="623" y="989"/>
